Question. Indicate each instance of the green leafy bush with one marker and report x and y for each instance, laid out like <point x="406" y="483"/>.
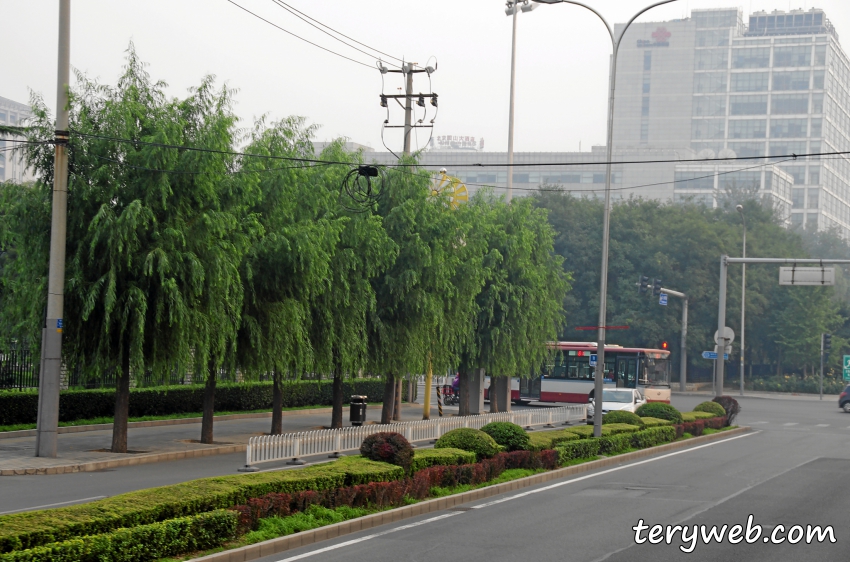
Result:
<point x="653" y="436"/>
<point x="694" y="416"/>
<point x="731" y="406"/>
<point x="509" y="435"/>
<point x="141" y="543"/>
<point x="655" y="422"/>
<point x="425" y="458"/>
<point x="613" y="444"/>
<point x="20" y="407"/>
<point x="712" y="408"/>
<point x="580" y="449"/>
<point x="388" y="446"/>
<point x="622" y="416"/>
<point x="660" y="410"/>
<point x="469" y="439"/>
<point x="29" y="529"/>
<point x="618" y="428"/>
<point x="542" y="440"/>
<point x="795" y="384"/>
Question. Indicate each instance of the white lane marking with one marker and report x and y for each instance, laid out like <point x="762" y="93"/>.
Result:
<point x="432" y="519"/>
<point x="52" y="505"/>
<point x="368" y="537"/>
<point x="580" y="478"/>
<point x="822" y="425"/>
<point x="759" y="422"/>
<point x="789" y="424"/>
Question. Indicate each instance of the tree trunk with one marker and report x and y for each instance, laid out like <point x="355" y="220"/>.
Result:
<point x="397" y="407"/>
<point x="389" y="399"/>
<point x="505" y="394"/>
<point x="337" y="399"/>
<point x="463" y="391"/>
<point x="277" y="404"/>
<point x="494" y="395"/>
<point x="209" y="407"/>
<point x="122" y="406"/>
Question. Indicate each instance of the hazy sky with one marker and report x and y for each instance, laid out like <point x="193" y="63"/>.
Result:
<point x="562" y="59"/>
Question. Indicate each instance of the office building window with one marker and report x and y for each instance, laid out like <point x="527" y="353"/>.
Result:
<point x="811" y="220"/>
<point x="782" y="148"/>
<point x="747" y="149"/>
<point x="814" y="148"/>
<point x="716" y="18"/>
<point x="797" y="220"/>
<point x="751" y="58"/>
<point x="710" y="83"/>
<point x="787" y="128"/>
<point x="812" y="202"/>
<point x="798" y="198"/>
<point x="814" y="175"/>
<point x="748" y="105"/>
<point x="711" y="59"/>
<point x="2" y="116"/>
<point x="816" y="127"/>
<point x="647" y="60"/>
<point x="644" y="108"/>
<point x="747" y="129"/>
<point x="792" y="56"/>
<point x="817" y="82"/>
<point x="646" y="83"/>
<point x="749" y="81"/>
<point x="702" y="179"/>
<point x="796" y="80"/>
<point x="708" y="128"/>
<point x="817" y="103"/>
<point x="712" y="106"/>
<point x="644" y="131"/>
<point x="786" y="104"/>
<point x="712" y="37"/>
<point x="820" y="55"/>
<point x="796" y="172"/>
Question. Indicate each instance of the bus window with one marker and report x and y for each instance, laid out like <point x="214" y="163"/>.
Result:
<point x="559" y="370"/>
<point x="579" y="368"/>
<point x="655" y="371"/>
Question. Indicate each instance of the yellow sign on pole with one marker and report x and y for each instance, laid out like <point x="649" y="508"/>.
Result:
<point x="450" y="187"/>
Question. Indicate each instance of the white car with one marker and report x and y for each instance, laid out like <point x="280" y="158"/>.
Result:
<point x="625" y="399"/>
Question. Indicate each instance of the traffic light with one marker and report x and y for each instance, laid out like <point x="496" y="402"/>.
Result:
<point x="656" y="287"/>
<point x="644" y="284"/>
<point x="827" y="343"/>
<point x="664" y="345"/>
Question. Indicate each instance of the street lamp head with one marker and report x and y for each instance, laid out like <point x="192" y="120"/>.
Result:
<point x="739" y="208"/>
<point x="528" y="6"/>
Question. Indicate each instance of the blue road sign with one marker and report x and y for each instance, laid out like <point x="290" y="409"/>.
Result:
<point x="662" y="299"/>
<point x="593" y="358"/>
<point x="713" y="355"/>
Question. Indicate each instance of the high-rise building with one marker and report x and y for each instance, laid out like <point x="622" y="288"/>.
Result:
<point x="776" y="84"/>
<point x="11" y="163"/>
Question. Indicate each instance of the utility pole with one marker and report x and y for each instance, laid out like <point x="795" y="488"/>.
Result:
<point x="51" y="335"/>
<point x="408" y="109"/>
<point x="408" y="70"/>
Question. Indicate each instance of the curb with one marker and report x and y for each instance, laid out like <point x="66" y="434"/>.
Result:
<point x="177" y="421"/>
<point x="305" y="538"/>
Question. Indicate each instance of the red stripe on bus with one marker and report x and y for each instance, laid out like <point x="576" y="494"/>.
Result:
<point x="572" y="397"/>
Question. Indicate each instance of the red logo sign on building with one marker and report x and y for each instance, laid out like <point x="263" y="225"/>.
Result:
<point x="660" y="38"/>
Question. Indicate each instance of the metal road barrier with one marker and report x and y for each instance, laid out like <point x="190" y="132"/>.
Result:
<point x="293" y="446"/>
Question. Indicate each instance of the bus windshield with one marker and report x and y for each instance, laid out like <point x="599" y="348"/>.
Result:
<point x="655" y="371"/>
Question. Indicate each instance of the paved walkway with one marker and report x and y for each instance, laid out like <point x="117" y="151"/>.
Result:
<point x="89" y="450"/>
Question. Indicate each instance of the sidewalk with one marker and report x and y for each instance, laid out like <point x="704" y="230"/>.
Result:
<point x="88" y="451"/>
<point x="735" y="393"/>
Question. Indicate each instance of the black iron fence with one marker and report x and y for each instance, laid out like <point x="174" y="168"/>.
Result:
<point x="18" y="369"/>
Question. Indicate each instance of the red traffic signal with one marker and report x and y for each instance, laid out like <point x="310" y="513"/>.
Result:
<point x="664" y="345"/>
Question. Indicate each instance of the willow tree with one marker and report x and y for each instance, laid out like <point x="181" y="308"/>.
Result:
<point x="520" y="307"/>
<point x="157" y="227"/>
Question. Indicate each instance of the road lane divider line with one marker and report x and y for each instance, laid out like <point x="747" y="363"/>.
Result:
<point x="608" y="471"/>
<point x="83" y="500"/>
<point x="369" y="537"/>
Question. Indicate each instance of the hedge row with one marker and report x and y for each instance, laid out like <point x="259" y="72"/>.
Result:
<point x="542" y="440"/>
<point x="614" y="443"/>
<point x="426" y="458"/>
<point x="30" y="529"/>
<point x="21" y="407"/>
<point x="392" y="494"/>
<point x="145" y="542"/>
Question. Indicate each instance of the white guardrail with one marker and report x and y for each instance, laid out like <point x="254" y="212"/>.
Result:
<point x="293" y="446"/>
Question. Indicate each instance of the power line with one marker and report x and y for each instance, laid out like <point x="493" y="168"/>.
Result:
<point x="231" y="173"/>
<point x="305" y="18"/>
<point x="299" y="37"/>
<point x="337" y="32"/>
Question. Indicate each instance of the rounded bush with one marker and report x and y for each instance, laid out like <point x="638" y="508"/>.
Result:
<point x="468" y="439"/>
<point x="622" y="416"/>
<point x="730" y="405"/>
<point x="711" y="408"/>
<point x="659" y="410"/>
<point x="509" y="435"/>
<point x="388" y="447"/>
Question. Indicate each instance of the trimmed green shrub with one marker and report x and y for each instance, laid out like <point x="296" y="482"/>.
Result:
<point x="29" y="529"/>
<point x="731" y="406"/>
<point x="509" y="435"/>
<point x="145" y="542"/>
<point x="660" y="410"/>
<point x="613" y="444"/>
<point x="18" y="407"/>
<point x="655" y="422"/>
<point x="387" y="446"/>
<point x="425" y="458"/>
<point x="618" y="428"/>
<point x="622" y="416"/>
<point x="586" y="431"/>
<point x="653" y="436"/>
<point x="543" y="440"/>
<point x="712" y="408"/>
<point x="693" y="416"/>
<point x="580" y="449"/>
<point x="469" y="439"/>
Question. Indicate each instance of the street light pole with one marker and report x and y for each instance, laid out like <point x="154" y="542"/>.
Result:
<point x="740" y="209"/>
<point x="606" y="215"/>
<point x="513" y="10"/>
<point x="47" y="420"/>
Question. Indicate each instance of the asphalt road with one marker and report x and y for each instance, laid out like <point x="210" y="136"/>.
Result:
<point x="781" y="474"/>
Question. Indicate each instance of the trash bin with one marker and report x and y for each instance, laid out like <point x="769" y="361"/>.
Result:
<point x="357" y="413"/>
